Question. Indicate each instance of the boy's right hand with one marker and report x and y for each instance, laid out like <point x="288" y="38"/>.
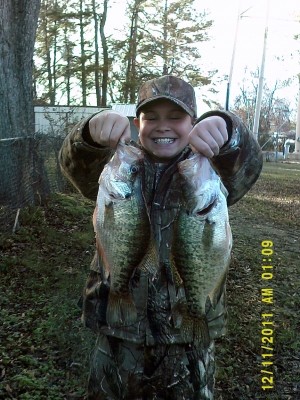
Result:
<point x="108" y="128"/>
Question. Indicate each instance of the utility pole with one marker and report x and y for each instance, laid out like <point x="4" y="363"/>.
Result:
<point x="261" y="77"/>
<point x="297" y="141"/>
<point x="240" y="15"/>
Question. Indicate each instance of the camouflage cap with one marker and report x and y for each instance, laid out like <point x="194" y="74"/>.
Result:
<point x="171" y="88"/>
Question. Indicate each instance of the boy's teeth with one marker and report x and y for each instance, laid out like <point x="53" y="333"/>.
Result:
<point x="164" y="140"/>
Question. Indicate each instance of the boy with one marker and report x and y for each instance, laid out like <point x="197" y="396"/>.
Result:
<point x="150" y="359"/>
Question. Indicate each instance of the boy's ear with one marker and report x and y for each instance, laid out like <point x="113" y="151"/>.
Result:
<point x="136" y="122"/>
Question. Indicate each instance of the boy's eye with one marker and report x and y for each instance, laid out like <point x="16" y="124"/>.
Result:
<point x="176" y="115"/>
<point x="149" y="117"/>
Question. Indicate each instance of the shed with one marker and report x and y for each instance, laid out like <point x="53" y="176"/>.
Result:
<point x="58" y="120"/>
<point x="129" y="111"/>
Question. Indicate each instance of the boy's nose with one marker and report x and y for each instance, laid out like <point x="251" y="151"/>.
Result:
<point x="163" y="127"/>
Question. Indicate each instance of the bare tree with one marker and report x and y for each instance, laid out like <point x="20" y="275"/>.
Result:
<point x="275" y="112"/>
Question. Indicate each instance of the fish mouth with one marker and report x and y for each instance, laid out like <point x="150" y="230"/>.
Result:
<point x="207" y="209"/>
<point x="119" y="190"/>
<point x="120" y="196"/>
<point x="164" y="140"/>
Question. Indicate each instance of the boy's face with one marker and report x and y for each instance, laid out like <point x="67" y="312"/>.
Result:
<point x="164" y="128"/>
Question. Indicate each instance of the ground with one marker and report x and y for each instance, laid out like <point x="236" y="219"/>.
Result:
<point x="44" y="349"/>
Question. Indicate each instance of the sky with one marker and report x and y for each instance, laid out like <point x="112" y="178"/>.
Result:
<point x="250" y="18"/>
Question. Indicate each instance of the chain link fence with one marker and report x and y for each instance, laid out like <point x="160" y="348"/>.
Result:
<point x="29" y="167"/>
<point x="29" y="173"/>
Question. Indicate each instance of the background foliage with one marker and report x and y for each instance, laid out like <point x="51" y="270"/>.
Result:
<point x="75" y="54"/>
<point x="81" y="60"/>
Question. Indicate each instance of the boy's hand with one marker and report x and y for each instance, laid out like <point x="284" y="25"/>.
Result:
<point x="108" y="128"/>
<point x="208" y="136"/>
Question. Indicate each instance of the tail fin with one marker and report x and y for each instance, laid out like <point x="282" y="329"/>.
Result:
<point x="201" y="332"/>
<point x="193" y="329"/>
<point x="183" y="321"/>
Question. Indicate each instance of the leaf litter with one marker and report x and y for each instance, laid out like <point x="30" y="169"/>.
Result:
<point x="44" y="350"/>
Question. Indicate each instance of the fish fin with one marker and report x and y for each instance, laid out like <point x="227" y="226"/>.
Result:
<point x="215" y="295"/>
<point x="150" y="260"/>
<point x="172" y="273"/>
<point x="121" y="310"/>
<point x="201" y="332"/>
<point x="177" y="278"/>
<point x="183" y="321"/>
<point x="187" y="328"/>
<point x="192" y="328"/>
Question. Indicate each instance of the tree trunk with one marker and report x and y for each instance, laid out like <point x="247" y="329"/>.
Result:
<point x="17" y="144"/>
<point x="105" y="55"/>
<point x="68" y="57"/>
<point x="130" y="87"/>
<point x="165" y="40"/>
<point x="82" y="55"/>
<point x="132" y="81"/>
<point x="17" y="37"/>
<point x="97" y="65"/>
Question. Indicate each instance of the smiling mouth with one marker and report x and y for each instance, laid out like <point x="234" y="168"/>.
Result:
<point x="164" y="140"/>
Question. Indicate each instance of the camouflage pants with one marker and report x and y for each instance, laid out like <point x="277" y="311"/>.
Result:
<point x="123" y="370"/>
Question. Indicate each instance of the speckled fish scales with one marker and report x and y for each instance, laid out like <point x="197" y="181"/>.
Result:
<point x="202" y="239"/>
<point x="122" y="229"/>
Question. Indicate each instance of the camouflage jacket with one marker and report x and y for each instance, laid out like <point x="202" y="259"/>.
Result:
<point x="239" y="165"/>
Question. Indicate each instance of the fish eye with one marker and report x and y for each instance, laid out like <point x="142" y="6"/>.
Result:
<point x="134" y="169"/>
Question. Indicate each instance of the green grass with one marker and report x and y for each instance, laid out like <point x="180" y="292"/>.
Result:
<point x="270" y="211"/>
<point x="44" y="349"/>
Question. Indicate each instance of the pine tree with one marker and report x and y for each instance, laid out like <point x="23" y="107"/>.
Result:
<point x="62" y="65"/>
<point x="171" y="42"/>
<point x="161" y="38"/>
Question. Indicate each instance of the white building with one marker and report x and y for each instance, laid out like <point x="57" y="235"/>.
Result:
<point x="58" y="120"/>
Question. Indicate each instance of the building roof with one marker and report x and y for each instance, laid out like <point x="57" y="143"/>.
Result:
<point x="126" y="109"/>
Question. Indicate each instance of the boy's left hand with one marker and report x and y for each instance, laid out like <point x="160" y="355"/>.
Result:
<point x="208" y="136"/>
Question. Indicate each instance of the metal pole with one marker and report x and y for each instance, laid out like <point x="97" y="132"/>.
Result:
<point x="276" y="152"/>
<point x="297" y="141"/>
<point x="261" y="78"/>
<point x="232" y="58"/>
<point x="233" y="55"/>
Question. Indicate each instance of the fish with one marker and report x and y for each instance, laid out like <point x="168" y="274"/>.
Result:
<point x="122" y="229"/>
<point x="201" y="245"/>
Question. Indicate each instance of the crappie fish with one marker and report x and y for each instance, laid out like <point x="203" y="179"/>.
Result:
<point x="122" y="229"/>
<point x="202" y="243"/>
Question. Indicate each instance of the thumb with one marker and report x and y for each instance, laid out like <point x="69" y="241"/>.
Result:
<point x="126" y="135"/>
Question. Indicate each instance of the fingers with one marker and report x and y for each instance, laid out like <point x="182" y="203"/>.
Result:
<point x="209" y="150"/>
<point x="208" y="136"/>
<point x="120" y="132"/>
<point x="108" y="128"/>
<point x="126" y="135"/>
